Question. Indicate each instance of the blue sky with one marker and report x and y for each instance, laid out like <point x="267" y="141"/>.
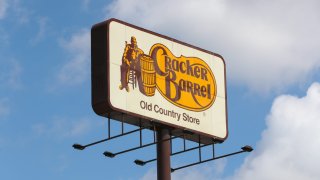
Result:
<point x="271" y="49"/>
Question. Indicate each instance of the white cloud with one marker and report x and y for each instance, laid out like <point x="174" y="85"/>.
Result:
<point x="289" y="148"/>
<point x="267" y="45"/>
<point x="77" y="69"/>
<point x="3" y="8"/>
<point x="63" y="128"/>
<point x="16" y="10"/>
<point x="151" y="174"/>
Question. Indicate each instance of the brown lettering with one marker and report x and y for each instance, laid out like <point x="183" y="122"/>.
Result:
<point x="167" y="63"/>
<point x="197" y="71"/>
<point x="204" y="74"/>
<point x="175" y="65"/>
<point x="170" y="79"/>
<point x="189" y="68"/>
<point x="196" y="89"/>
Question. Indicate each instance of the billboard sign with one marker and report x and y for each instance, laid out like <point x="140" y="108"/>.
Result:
<point x="146" y="77"/>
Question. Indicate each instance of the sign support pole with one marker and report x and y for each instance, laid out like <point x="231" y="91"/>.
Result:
<point x="163" y="154"/>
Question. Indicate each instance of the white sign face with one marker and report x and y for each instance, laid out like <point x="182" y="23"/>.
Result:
<point x="157" y="78"/>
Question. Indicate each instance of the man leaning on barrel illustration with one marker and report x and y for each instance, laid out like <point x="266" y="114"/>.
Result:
<point x="130" y="61"/>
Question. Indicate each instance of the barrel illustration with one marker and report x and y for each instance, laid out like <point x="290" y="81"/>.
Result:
<point x="148" y="75"/>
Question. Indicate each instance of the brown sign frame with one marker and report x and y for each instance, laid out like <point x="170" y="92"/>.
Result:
<point x="101" y="83"/>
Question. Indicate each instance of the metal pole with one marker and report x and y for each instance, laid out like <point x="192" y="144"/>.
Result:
<point x="163" y="155"/>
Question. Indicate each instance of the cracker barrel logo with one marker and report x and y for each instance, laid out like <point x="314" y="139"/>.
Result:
<point x="186" y="82"/>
